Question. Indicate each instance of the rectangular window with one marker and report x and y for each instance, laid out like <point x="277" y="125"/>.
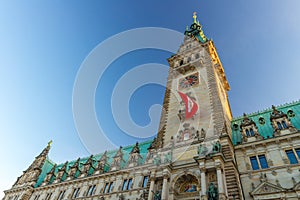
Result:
<point x="105" y="188"/>
<point x="110" y="187"/>
<point x="91" y="190"/>
<point x="254" y="163"/>
<point x="61" y="195"/>
<point x="263" y="161"/>
<point x="124" y="184"/>
<point x="129" y="184"/>
<point x="75" y="193"/>
<point x="145" y="181"/>
<point x="290" y="154"/>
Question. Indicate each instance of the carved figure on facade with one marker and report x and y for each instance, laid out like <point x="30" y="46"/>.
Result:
<point x="157" y="195"/>
<point x="157" y="160"/>
<point x="202" y="150"/>
<point x="217" y="147"/>
<point x="212" y="192"/>
<point x="168" y="157"/>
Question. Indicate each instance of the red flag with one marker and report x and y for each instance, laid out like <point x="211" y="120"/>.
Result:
<point x="190" y="105"/>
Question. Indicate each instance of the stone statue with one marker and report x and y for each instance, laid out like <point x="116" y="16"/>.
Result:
<point x="212" y="192"/>
<point x="157" y="160"/>
<point x="217" y="147"/>
<point x="157" y="195"/>
<point x="168" y="158"/>
<point x="203" y="134"/>
<point x="202" y="150"/>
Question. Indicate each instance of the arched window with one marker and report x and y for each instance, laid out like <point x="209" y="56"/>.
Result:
<point x="284" y="124"/>
<point x="251" y="132"/>
<point x="279" y="125"/>
<point x="181" y="62"/>
<point x="247" y="133"/>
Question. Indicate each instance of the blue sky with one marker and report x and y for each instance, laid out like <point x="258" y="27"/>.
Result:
<point x="44" y="43"/>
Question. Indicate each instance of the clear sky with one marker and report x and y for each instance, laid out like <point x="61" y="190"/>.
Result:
<point x="44" y="43"/>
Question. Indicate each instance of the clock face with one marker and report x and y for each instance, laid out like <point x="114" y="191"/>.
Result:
<point x="189" y="81"/>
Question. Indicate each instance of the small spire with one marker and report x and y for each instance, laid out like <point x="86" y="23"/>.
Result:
<point x="50" y="143"/>
<point x="195" y="17"/>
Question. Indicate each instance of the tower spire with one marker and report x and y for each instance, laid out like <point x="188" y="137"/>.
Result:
<point x="195" y="30"/>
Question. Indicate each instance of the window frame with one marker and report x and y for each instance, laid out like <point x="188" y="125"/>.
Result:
<point x="75" y="193"/>
<point x="145" y="181"/>
<point x="124" y="186"/>
<point x="259" y="161"/>
<point x="110" y="187"/>
<point x="293" y="154"/>
<point x="105" y="188"/>
<point x="129" y="184"/>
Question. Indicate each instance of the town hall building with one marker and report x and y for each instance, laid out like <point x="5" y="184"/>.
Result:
<point x="200" y="151"/>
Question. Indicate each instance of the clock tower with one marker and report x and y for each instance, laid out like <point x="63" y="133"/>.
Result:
<point x="197" y="72"/>
<point x="195" y="123"/>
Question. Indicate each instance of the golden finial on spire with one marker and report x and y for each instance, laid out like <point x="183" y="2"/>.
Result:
<point x="195" y="17"/>
<point x="49" y="143"/>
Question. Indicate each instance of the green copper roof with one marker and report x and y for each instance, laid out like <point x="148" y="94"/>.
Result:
<point x="45" y="169"/>
<point x="265" y="129"/>
<point x="48" y="165"/>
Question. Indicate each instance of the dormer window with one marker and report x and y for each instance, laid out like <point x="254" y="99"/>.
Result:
<point x="281" y="125"/>
<point x="248" y="128"/>
<point x="280" y="121"/>
<point x="250" y="132"/>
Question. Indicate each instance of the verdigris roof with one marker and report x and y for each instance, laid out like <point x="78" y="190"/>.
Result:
<point x="48" y="165"/>
<point x="263" y="123"/>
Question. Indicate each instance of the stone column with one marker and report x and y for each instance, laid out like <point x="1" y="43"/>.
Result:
<point x="165" y="188"/>
<point x="203" y="180"/>
<point x="220" y="180"/>
<point x="150" y="194"/>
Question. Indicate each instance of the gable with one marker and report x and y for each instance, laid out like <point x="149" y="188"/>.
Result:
<point x="267" y="188"/>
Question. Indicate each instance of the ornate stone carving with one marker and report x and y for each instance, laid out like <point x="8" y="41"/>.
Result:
<point x="217" y="147"/>
<point x="212" y="193"/>
<point x="135" y="157"/>
<point x="187" y="133"/>
<point x="202" y="150"/>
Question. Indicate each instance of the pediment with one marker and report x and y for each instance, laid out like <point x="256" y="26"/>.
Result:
<point x="267" y="188"/>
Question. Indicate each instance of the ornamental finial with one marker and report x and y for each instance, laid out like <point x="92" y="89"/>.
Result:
<point x="49" y="143"/>
<point x="195" y="17"/>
